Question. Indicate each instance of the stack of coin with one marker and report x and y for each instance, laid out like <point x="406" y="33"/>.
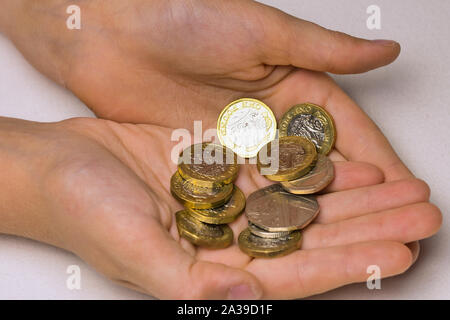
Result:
<point x="312" y="122"/>
<point x="203" y="183"/>
<point x="298" y="161"/>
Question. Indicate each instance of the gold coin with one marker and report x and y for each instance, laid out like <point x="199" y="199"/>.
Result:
<point x="290" y="159"/>
<point x="223" y="214"/>
<point x="203" y="234"/>
<point x="259" y="247"/>
<point x="312" y="122"/>
<point x="192" y="196"/>
<point x="316" y="180"/>
<point x="208" y="165"/>
<point x="245" y="126"/>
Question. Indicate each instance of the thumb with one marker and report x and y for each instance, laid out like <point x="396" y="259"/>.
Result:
<point x="288" y="40"/>
<point x="172" y="273"/>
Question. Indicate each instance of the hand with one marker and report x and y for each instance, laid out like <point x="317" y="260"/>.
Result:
<point x="125" y="67"/>
<point x="101" y="190"/>
<point x="172" y="62"/>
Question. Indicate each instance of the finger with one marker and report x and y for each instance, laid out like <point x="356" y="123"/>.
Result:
<point x="404" y="224"/>
<point x="347" y="204"/>
<point x="165" y="270"/>
<point x="291" y="41"/>
<point x="308" y="272"/>
<point x="350" y="175"/>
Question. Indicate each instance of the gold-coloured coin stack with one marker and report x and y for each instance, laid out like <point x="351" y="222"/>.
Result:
<point x="203" y="183"/>
<point x="298" y="161"/>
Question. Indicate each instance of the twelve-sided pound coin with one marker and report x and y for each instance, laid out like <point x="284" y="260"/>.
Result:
<point x="245" y="126"/>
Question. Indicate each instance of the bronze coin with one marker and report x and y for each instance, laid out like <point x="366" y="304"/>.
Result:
<point x="316" y="180"/>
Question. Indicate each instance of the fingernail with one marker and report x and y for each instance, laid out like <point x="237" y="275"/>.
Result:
<point x="243" y="292"/>
<point x="386" y="43"/>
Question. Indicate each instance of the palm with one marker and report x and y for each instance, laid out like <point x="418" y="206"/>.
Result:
<point x="125" y="211"/>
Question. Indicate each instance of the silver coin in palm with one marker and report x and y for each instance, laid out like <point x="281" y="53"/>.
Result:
<point x="257" y="231"/>
<point x="274" y="209"/>
<point x="314" y="181"/>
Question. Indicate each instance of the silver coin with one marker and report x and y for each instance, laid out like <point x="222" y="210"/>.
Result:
<point x="257" y="231"/>
<point x="308" y="126"/>
<point x="316" y="180"/>
<point x="274" y="209"/>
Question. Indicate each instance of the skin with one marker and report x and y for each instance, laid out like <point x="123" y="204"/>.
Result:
<point x="100" y="188"/>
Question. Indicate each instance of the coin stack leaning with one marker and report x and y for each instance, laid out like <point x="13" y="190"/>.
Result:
<point x="298" y="161"/>
<point x="203" y="183"/>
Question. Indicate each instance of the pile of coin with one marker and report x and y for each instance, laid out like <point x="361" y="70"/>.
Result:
<point x="203" y="183"/>
<point x="298" y="161"/>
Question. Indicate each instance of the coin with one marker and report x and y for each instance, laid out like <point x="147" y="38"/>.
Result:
<point x="223" y="214"/>
<point x="192" y="196"/>
<point x="257" y="231"/>
<point x="245" y="126"/>
<point x="312" y="122"/>
<point x="259" y="247"/>
<point x="289" y="159"/>
<point x="274" y="209"/>
<point x="203" y="234"/>
<point x="208" y="165"/>
<point x="316" y="180"/>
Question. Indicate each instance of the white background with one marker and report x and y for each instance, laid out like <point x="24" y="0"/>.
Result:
<point x="408" y="100"/>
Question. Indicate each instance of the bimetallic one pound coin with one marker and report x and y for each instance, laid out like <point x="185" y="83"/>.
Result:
<point x="287" y="158"/>
<point x="203" y="234"/>
<point x="208" y="165"/>
<point x="316" y="180"/>
<point x="245" y="126"/>
<point x="257" y="231"/>
<point x="223" y="214"/>
<point x="192" y="196"/>
<point x="312" y="122"/>
<point x="259" y="247"/>
<point x="274" y="209"/>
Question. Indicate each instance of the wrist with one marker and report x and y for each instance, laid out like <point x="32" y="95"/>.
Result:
<point x="25" y="156"/>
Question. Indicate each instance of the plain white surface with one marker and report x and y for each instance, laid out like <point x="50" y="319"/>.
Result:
<point x="408" y="100"/>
